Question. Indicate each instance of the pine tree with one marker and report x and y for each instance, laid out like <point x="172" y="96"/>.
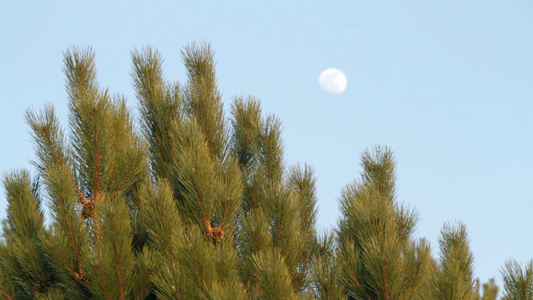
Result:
<point x="21" y="255"/>
<point x="222" y="178"/>
<point x="276" y="225"/>
<point x="191" y="204"/>
<point x="380" y="259"/>
<point x="454" y="276"/>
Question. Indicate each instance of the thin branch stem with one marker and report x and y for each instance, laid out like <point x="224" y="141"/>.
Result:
<point x="144" y="287"/>
<point x="385" y="280"/>
<point x="4" y="292"/>
<point x="96" y="155"/>
<point x="198" y="269"/>
<point x="101" y="281"/>
<point x="119" y="273"/>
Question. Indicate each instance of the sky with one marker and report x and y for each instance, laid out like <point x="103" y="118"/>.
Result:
<point x="447" y="85"/>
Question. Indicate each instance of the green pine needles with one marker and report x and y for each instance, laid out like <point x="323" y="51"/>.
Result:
<point x="191" y="204"/>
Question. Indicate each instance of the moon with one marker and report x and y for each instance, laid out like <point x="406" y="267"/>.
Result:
<point x="333" y="81"/>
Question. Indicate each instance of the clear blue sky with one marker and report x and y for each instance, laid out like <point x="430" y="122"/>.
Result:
<point x="448" y="85"/>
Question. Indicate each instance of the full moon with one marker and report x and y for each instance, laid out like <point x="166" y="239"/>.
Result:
<point x="333" y="81"/>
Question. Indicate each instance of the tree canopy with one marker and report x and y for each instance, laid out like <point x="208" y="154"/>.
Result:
<point x="185" y="202"/>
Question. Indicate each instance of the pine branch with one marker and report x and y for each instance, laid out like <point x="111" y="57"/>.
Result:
<point x="44" y="131"/>
<point x="159" y="104"/>
<point x="226" y="212"/>
<point x="170" y="244"/>
<point x="66" y="246"/>
<point x="206" y="220"/>
<point x="80" y="273"/>
<point x="114" y="258"/>
<point x="246" y="116"/>
<point x="198" y="267"/>
<point x="36" y="270"/>
<point x="79" y="276"/>
<point x="161" y="218"/>
<point x="216" y="233"/>
<point x="124" y="180"/>
<point x="203" y="100"/>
